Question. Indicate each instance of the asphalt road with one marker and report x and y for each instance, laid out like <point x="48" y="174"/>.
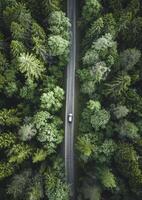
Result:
<point x="70" y="96"/>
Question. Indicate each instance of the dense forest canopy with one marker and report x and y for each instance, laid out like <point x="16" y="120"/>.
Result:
<point x="34" y="53"/>
<point x="110" y="140"/>
<point x="34" y="47"/>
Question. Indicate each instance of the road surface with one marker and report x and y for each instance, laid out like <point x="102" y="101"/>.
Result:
<point x="70" y="96"/>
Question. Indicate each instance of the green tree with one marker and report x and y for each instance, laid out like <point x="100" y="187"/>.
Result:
<point x="91" y="9"/>
<point x="30" y="66"/>
<point x="52" y="101"/>
<point x="9" y="117"/>
<point x="59" y="24"/>
<point x="128" y="129"/>
<point x="119" y="85"/>
<point x="6" y="170"/>
<point x="19" y="153"/>
<point x="129" y="58"/>
<point x="107" y="179"/>
<point x="57" y="45"/>
<point x="27" y="132"/>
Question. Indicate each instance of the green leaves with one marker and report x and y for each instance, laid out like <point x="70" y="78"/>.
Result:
<point x="30" y="66"/>
<point x="91" y="9"/>
<point x="59" y="24"/>
<point x="129" y="58"/>
<point x="50" y="133"/>
<point x="85" y="146"/>
<point x="57" y="45"/>
<point x="127" y="164"/>
<point x="9" y="117"/>
<point x="6" y="170"/>
<point x="119" y="85"/>
<point x="56" y="189"/>
<point x="107" y="179"/>
<point x="128" y="129"/>
<point x="52" y="101"/>
<point x="19" y="153"/>
<point x="7" y="140"/>
<point x="27" y="132"/>
<point x="40" y="155"/>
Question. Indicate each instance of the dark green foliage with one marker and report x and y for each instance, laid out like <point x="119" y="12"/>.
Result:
<point x="34" y="48"/>
<point x="129" y="58"/>
<point x="109" y="142"/>
<point x="118" y="86"/>
<point x="128" y="165"/>
<point x="55" y="188"/>
<point x="128" y="129"/>
<point x="18" y="184"/>
<point x="90" y="10"/>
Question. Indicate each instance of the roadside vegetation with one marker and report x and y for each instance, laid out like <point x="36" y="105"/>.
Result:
<point x="34" y="47"/>
<point x="110" y="140"/>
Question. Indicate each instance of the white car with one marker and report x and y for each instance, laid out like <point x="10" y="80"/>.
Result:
<point x="70" y="117"/>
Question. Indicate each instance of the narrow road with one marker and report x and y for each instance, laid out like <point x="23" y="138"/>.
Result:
<point x="70" y="96"/>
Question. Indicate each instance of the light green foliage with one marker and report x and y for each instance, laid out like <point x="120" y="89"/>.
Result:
<point x="92" y="76"/>
<point x="129" y="58"/>
<point x="104" y="152"/>
<point x="52" y="101"/>
<point x="40" y="155"/>
<point x="107" y="179"/>
<point x="27" y="132"/>
<point x="102" y="49"/>
<point x="128" y="129"/>
<point x="120" y="111"/>
<point x="19" y="153"/>
<point x="55" y="188"/>
<point x="91" y="9"/>
<point x="9" y="117"/>
<point x="57" y="45"/>
<point x="39" y="40"/>
<point x="99" y="119"/>
<point x="85" y="146"/>
<point x="94" y="116"/>
<point x="59" y="24"/>
<point x="50" y="133"/>
<point x="30" y="66"/>
<point x="6" y="170"/>
<point x="34" y="48"/>
<point x="41" y="118"/>
<point x="119" y="85"/>
<point x="7" y="140"/>
<point x="18" y="184"/>
<point x="51" y="5"/>
<point x="17" y="48"/>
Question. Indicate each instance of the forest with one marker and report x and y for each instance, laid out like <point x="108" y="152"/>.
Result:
<point x="34" y="47"/>
<point x="110" y="131"/>
<point x="34" y="54"/>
